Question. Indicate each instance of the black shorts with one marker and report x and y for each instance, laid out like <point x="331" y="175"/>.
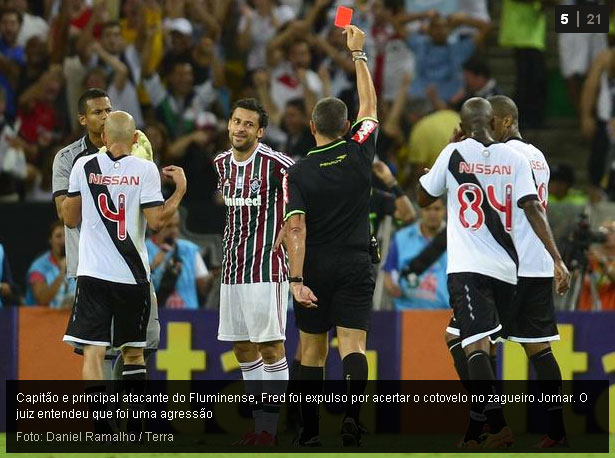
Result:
<point x="109" y="314"/>
<point x="344" y="283"/>
<point x="482" y="306"/>
<point x="534" y="315"/>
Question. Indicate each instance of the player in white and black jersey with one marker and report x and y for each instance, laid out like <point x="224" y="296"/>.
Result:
<point x="487" y="184"/>
<point x="94" y="106"/>
<point x="534" y="325"/>
<point x="112" y="196"/>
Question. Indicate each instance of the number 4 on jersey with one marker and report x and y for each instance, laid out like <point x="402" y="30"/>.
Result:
<point x="119" y="217"/>
<point x="466" y="190"/>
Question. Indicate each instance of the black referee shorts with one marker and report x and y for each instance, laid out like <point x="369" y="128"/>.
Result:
<point x="534" y="312"/>
<point x="109" y="314"/>
<point x="343" y="282"/>
<point x="483" y="307"/>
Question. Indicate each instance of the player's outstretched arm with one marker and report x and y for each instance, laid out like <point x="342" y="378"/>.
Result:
<point x="538" y="220"/>
<point x="355" y="40"/>
<point x="295" y="245"/>
<point x="158" y="216"/>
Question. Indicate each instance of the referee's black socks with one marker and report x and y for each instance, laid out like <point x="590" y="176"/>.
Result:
<point x="312" y="382"/>
<point x="355" y="374"/>
<point x="550" y="379"/>
<point x="134" y="376"/>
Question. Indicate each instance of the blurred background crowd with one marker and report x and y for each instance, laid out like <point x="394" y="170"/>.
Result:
<point x="178" y="65"/>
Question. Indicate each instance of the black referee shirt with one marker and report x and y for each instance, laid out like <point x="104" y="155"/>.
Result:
<point x="331" y="186"/>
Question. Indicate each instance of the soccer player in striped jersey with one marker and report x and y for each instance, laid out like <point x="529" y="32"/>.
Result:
<point x="254" y="290"/>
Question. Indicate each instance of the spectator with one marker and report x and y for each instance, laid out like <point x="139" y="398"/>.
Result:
<point x="7" y="287"/>
<point x="257" y="26"/>
<point x="177" y="105"/>
<point x="289" y="129"/>
<point x="439" y="56"/>
<point x="10" y="25"/>
<point x="597" y="112"/>
<point x="561" y="187"/>
<point x="428" y="137"/>
<point x="179" y="273"/>
<point x="390" y="57"/>
<point x="180" y="33"/>
<point x="337" y="62"/>
<point x="523" y="28"/>
<point x="11" y="56"/>
<point x="295" y="123"/>
<point x="47" y="283"/>
<point x="195" y="152"/>
<point x="122" y="64"/>
<point x="32" y="26"/>
<point x="577" y="51"/>
<point x="601" y="272"/>
<point x="41" y="121"/>
<point x="292" y="77"/>
<point x="428" y="290"/>
<point x="12" y="171"/>
<point x="476" y="9"/>
<point x="477" y="82"/>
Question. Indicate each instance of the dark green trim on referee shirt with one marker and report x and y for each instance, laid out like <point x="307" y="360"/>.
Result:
<point x="326" y="147"/>
<point x="294" y="212"/>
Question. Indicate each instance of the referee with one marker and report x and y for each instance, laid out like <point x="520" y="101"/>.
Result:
<point x="331" y="277"/>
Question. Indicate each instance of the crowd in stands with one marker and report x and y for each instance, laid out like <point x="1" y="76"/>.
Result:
<point x="177" y="66"/>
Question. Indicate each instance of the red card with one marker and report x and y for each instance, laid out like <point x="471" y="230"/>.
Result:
<point x="343" y="16"/>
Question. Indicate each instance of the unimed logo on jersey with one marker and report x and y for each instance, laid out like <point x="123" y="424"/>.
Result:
<point x="484" y="169"/>
<point x="97" y="178"/>
<point x="242" y="201"/>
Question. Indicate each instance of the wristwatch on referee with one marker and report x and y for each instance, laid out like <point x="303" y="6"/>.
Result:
<point x="358" y="54"/>
<point x="295" y="279"/>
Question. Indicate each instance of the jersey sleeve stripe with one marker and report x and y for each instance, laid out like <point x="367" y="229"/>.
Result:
<point x="73" y="194"/>
<point x="294" y="212"/>
<point x="155" y="203"/>
<point x="222" y="155"/>
<point x="60" y="192"/>
<point x="280" y="157"/>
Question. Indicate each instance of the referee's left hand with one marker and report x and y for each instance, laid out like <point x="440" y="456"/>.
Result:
<point x="304" y="295"/>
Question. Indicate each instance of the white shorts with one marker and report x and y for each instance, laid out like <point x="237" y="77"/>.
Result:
<point x="577" y="51"/>
<point x="254" y="312"/>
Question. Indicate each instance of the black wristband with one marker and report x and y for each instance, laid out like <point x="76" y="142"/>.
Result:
<point x="295" y="279"/>
<point x="397" y="191"/>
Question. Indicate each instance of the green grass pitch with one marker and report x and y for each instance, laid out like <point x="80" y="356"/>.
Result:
<point x="286" y="455"/>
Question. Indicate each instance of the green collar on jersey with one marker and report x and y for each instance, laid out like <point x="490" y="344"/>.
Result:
<point x="328" y="146"/>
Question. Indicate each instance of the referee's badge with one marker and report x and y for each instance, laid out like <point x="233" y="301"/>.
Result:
<point x="255" y="185"/>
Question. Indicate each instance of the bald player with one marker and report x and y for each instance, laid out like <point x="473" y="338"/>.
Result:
<point x="487" y="184"/>
<point x="94" y="108"/>
<point x="112" y="196"/>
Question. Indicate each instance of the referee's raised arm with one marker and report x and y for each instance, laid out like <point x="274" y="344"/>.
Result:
<point x="355" y="40"/>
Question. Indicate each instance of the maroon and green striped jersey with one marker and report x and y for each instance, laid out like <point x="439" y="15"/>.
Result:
<point x="252" y="192"/>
